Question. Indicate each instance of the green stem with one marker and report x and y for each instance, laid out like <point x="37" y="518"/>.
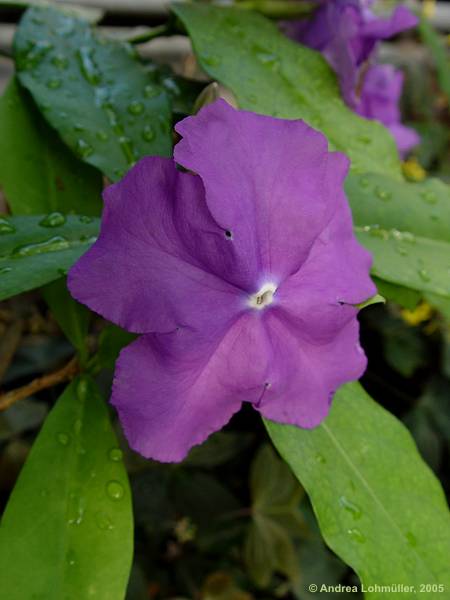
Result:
<point x="279" y="9"/>
<point x="150" y="34"/>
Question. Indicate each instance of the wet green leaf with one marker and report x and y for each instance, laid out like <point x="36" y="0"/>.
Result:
<point x="94" y="91"/>
<point x="405" y="227"/>
<point x="32" y="253"/>
<point x="67" y="529"/>
<point x="379" y="506"/>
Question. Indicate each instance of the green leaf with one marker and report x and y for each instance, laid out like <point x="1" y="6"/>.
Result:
<point x="436" y="45"/>
<point x="111" y="341"/>
<point x="378" y="505"/>
<point x="276" y="519"/>
<point x="94" y="91"/>
<point x="33" y="253"/>
<point x="405" y="227"/>
<point x="270" y="74"/>
<point x="67" y="529"/>
<point x="37" y="172"/>
<point x="397" y="293"/>
<point x="73" y="318"/>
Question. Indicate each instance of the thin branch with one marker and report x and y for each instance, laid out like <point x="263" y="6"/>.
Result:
<point x="41" y="383"/>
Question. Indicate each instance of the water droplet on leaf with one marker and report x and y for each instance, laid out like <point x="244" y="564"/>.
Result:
<point x="54" y="83"/>
<point x="115" y="490"/>
<point x="423" y="274"/>
<point x="383" y="194"/>
<point x="84" y="149"/>
<point x="135" y="108"/>
<point x="429" y="197"/>
<point x="356" y="535"/>
<point x="54" y="219"/>
<point x="63" y="438"/>
<point x="115" y="454"/>
<point x="6" y="227"/>
<point x="350" y="507"/>
<point x="148" y="133"/>
<point x="104" y="522"/>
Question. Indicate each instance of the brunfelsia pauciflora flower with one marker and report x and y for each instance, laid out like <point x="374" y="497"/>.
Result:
<point x="347" y="33"/>
<point x="240" y="273"/>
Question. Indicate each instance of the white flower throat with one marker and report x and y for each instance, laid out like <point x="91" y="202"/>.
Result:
<point x="264" y="297"/>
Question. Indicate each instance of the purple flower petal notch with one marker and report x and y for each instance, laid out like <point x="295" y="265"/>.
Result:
<point x="240" y="273"/>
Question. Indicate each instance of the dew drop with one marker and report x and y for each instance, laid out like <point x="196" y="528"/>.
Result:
<point x="4" y="270"/>
<point x="82" y="390"/>
<point x="115" y="490"/>
<point x="429" y="197"/>
<point x="320" y="459"/>
<point x="148" y="133"/>
<point x="60" y="61"/>
<point x="423" y="274"/>
<point x="104" y="521"/>
<point x="383" y="194"/>
<point x="77" y="426"/>
<point x="211" y="60"/>
<point x="87" y="65"/>
<point x="71" y="558"/>
<point x="54" y="219"/>
<point x="78" y="127"/>
<point x="55" y="243"/>
<point x="150" y="91"/>
<point x="356" y="535"/>
<point x="364" y="139"/>
<point x="76" y="509"/>
<point x="135" y="108"/>
<point x="401" y="250"/>
<point x="6" y="227"/>
<point x="115" y="454"/>
<point x="364" y="182"/>
<point x="54" y="83"/>
<point x="63" y="438"/>
<point x="102" y="136"/>
<point x="350" y="507"/>
<point x="83" y="148"/>
<point x="271" y="60"/>
<point x="85" y="219"/>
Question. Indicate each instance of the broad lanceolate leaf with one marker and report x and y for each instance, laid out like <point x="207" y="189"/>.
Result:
<point x="378" y="505"/>
<point x="35" y="250"/>
<point x="67" y="529"/>
<point x="272" y="75"/>
<point x="405" y="227"/>
<point x="106" y="106"/>
<point x="37" y="172"/>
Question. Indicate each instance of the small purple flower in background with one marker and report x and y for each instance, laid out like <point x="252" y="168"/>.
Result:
<point x="346" y="32"/>
<point x="380" y="97"/>
<point x="241" y="274"/>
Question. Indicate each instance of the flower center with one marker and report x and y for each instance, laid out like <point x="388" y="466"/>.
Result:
<point x="263" y="297"/>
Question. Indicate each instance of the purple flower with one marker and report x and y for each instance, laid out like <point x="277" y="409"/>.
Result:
<point x="380" y="96"/>
<point x="241" y="273"/>
<point x="346" y="32"/>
